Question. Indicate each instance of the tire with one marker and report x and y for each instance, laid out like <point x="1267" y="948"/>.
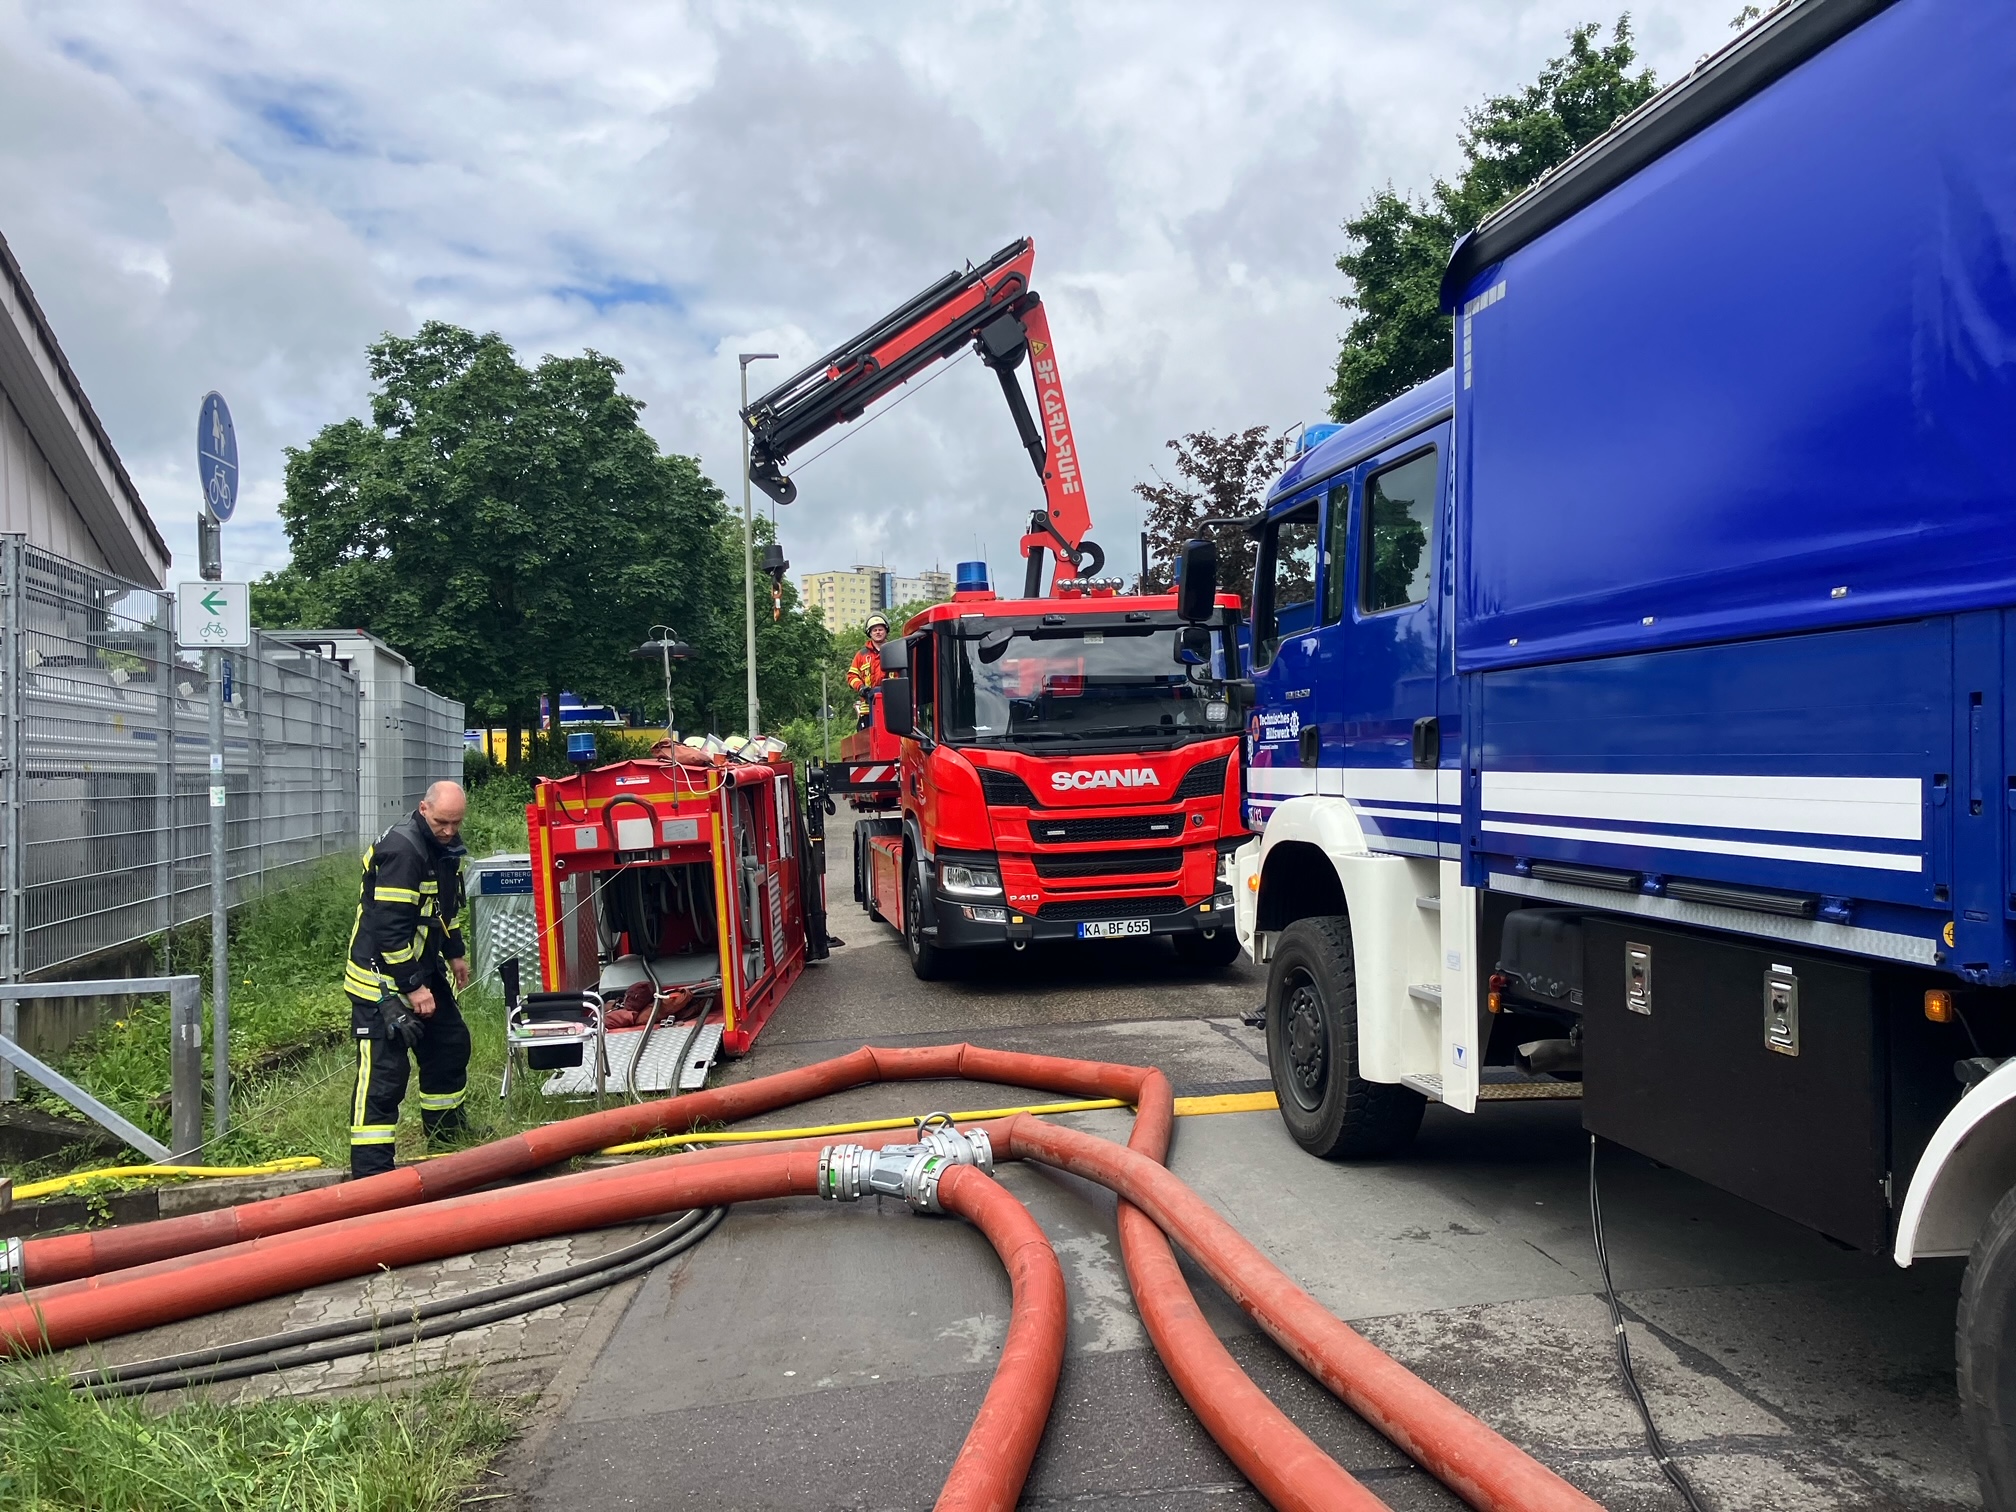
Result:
<point x="1985" y="1346"/>
<point x="927" y="961"/>
<point x="1312" y="1049"/>
<point x="1212" y="952"/>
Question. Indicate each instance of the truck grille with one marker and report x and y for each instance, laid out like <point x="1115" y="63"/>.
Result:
<point x="1161" y="826"/>
<point x="1006" y="787"/>
<point x="1086" y="910"/>
<point x="1204" y="780"/>
<point x="1110" y="864"/>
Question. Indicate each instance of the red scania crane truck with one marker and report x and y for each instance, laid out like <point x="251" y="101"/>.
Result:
<point x="1058" y="766"/>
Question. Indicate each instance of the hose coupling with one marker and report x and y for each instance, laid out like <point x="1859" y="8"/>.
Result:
<point x="970" y="1148"/>
<point x="13" y="1276"/>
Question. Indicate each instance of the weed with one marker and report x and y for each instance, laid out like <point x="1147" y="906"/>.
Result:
<point x="418" y="1450"/>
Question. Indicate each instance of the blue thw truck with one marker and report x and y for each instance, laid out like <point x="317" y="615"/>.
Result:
<point x="1634" y="700"/>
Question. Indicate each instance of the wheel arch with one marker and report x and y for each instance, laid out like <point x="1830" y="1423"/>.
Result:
<point x="1299" y="878"/>
<point x="1968" y="1167"/>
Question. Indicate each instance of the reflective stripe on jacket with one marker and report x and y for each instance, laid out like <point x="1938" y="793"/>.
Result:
<point x="407" y="908"/>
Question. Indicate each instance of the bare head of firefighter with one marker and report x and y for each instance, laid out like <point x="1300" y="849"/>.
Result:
<point x="443" y="810"/>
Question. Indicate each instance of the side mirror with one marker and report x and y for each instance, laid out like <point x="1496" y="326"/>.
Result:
<point x="895" y="655"/>
<point x="1193" y="646"/>
<point x="899" y="716"/>
<point x="1196" y="581"/>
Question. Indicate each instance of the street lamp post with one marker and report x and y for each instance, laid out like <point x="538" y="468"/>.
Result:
<point x="749" y="542"/>
<point x="668" y="648"/>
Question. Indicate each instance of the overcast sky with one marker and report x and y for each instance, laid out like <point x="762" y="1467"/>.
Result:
<point x="240" y="197"/>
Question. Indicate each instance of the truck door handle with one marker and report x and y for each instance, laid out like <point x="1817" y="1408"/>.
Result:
<point x="1310" y="744"/>
<point x="1427" y="742"/>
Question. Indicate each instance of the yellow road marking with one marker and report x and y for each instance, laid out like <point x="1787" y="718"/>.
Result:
<point x="1228" y="1102"/>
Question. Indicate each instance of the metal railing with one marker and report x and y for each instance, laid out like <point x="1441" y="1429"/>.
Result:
<point x="185" y="1057"/>
<point x="105" y="768"/>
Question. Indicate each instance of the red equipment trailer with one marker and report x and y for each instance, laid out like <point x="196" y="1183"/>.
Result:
<point x="1049" y="767"/>
<point x="704" y="878"/>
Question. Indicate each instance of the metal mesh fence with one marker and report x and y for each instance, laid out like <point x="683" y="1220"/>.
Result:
<point x="104" y="755"/>
<point x="430" y="740"/>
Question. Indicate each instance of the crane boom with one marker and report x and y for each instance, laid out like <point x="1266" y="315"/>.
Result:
<point x="992" y="308"/>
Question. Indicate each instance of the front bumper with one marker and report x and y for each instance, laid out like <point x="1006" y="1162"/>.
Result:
<point x="958" y="929"/>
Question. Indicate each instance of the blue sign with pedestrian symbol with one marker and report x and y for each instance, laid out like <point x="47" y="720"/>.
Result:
<point x="217" y="455"/>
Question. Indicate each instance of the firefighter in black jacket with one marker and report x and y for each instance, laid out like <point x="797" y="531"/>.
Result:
<point x="403" y="949"/>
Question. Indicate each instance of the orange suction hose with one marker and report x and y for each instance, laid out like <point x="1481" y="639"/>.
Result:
<point x="1283" y="1463"/>
<point x="64" y="1257"/>
<point x="267" y="1248"/>
<point x="1479" y="1465"/>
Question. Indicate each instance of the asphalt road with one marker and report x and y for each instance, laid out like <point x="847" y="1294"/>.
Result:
<point x="809" y="1356"/>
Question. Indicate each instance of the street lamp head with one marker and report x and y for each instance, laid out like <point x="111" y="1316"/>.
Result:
<point x="745" y="358"/>
<point x="663" y="646"/>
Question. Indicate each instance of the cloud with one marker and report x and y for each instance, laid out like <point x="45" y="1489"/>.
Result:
<point x="241" y="197"/>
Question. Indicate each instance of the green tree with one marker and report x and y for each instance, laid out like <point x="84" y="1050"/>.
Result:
<point x="513" y="530"/>
<point x="1400" y="243"/>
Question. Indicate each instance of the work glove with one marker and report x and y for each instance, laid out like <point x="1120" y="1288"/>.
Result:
<point x="402" y="1024"/>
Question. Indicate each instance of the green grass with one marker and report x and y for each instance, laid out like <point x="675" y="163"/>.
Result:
<point x="418" y="1450"/>
<point x="293" y="1060"/>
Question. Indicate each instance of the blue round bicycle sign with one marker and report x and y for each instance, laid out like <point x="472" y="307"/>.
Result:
<point x="217" y="455"/>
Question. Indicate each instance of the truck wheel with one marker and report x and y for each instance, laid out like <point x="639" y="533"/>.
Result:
<point x="927" y="961"/>
<point x="1212" y="952"/>
<point x="1985" y="1345"/>
<point x="1312" y="1049"/>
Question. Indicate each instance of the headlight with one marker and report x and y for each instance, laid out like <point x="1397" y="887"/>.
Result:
<point x="966" y="881"/>
<point x="984" y="913"/>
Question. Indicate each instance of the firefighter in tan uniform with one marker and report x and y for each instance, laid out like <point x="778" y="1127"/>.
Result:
<point x="403" y="949"/>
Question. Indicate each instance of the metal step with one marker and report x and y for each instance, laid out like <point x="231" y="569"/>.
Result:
<point x="634" y="1064"/>
<point x="1425" y="992"/>
<point x="1430" y="1087"/>
<point x="700" y="1058"/>
<point x="1431" y="905"/>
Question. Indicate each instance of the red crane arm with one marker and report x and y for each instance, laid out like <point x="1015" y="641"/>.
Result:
<point x="991" y="307"/>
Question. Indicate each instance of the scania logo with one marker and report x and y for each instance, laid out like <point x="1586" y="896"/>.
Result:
<point x="1111" y="777"/>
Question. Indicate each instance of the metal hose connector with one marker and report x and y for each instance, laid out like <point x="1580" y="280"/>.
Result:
<point x="11" y="1279"/>
<point x="908" y="1172"/>
<point x="970" y="1147"/>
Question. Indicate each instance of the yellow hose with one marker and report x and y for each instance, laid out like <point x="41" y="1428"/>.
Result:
<point x="1186" y="1107"/>
<point x="864" y="1126"/>
<point x="56" y="1184"/>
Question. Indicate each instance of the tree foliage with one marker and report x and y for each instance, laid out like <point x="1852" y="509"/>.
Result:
<point x="1218" y="477"/>
<point x="515" y="531"/>
<point x="1400" y="243"/>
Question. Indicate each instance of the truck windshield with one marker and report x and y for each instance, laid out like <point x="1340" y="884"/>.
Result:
<point x="1017" y="682"/>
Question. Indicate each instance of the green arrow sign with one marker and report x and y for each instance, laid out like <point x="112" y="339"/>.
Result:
<point x="213" y="602"/>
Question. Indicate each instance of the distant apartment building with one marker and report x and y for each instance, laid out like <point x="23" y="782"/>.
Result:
<point x="848" y="598"/>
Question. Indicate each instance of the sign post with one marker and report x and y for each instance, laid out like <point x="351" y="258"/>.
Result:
<point x="216" y="616"/>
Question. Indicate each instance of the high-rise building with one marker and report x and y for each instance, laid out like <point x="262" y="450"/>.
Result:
<point x="843" y="599"/>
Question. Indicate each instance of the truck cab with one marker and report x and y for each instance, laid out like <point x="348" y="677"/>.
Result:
<point x="1067" y="770"/>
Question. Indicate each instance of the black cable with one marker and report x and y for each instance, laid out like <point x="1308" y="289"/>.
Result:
<point x="1653" y="1442"/>
<point x="372" y="1322"/>
<point x="430" y="1320"/>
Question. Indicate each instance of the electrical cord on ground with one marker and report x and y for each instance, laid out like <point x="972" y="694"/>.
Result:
<point x="387" y="1330"/>
<point x="1653" y="1442"/>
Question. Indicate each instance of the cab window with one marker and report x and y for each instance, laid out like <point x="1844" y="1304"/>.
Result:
<point x="1285" y="581"/>
<point x="1399" y="514"/>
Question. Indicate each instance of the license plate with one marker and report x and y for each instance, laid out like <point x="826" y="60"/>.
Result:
<point x="1112" y="929"/>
